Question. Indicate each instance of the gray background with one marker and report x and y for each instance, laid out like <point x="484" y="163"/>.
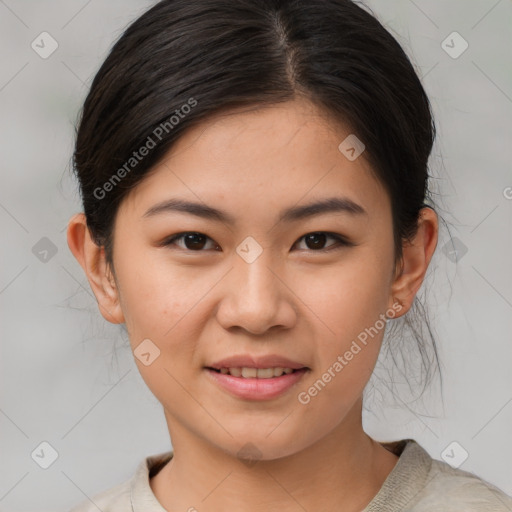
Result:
<point x="67" y="377"/>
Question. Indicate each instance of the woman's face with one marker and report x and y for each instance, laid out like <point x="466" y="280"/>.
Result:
<point x="252" y="285"/>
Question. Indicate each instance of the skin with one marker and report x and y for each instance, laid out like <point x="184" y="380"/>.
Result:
<point x="295" y="300"/>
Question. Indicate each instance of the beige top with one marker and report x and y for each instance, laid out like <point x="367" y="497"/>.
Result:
<point x="417" y="483"/>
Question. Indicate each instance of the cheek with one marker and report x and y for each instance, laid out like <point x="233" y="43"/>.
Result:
<point x="165" y="304"/>
<point x="155" y="298"/>
<point x="347" y="298"/>
<point x="163" y="308"/>
<point x="349" y="305"/>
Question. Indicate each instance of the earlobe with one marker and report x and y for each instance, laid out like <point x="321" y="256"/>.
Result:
<point x="415" y="261"/>
<point x="92" y="259"/>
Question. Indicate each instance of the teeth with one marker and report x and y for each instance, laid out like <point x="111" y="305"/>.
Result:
<point x="236" y="372"/>
<point x="249" y="373"/>
<point x="264" y="373"/>
<point x="279" y="371"/>
<point x="260" y="373"/>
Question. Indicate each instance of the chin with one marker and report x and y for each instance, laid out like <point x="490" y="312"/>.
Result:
<point x="250" y="447"/>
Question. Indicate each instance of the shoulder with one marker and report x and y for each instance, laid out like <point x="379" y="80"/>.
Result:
<point x="447" y="489"/>
<point x="452" y="488"/>
<point x="136" y="489"/>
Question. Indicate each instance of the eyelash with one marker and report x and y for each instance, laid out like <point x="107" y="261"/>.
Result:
<point x="342" y="242"/>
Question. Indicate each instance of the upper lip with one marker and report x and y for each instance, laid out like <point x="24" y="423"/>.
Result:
<point x="247" y="361"/>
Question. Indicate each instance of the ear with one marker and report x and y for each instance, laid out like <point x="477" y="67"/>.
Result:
<point x="416" y="258"/>
<point x="92" y="259"/>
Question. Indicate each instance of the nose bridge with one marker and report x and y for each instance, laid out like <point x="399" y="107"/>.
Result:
<point x="253" y="264"/>
<point x="254" y="298"/>
<point x="255" y="284"/>
<point x="256" y="277"/>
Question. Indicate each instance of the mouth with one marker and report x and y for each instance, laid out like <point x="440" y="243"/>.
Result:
<point x="255" y="383"/>
<point x="246" y="372"/>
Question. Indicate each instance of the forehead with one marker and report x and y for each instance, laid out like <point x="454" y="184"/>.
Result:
<point x="261" y="159"/>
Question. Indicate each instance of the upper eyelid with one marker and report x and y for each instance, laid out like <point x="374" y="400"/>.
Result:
<point x="338" y="237"/>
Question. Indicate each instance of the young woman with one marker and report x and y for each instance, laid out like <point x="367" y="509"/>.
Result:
<point x="255" y="183"/>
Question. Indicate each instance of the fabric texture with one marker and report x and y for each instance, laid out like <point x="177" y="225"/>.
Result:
<point x="417" y="483"/>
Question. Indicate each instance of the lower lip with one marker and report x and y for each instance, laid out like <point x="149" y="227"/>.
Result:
<point x="254" y="388"/>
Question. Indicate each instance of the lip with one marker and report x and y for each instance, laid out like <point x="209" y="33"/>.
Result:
<point x="247" y="361"/>
<point x="254" y="388"/>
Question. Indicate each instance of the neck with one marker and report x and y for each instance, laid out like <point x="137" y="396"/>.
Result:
<point x="346" y="466"/>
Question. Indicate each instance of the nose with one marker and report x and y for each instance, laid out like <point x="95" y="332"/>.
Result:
<point x="256" y="298"/>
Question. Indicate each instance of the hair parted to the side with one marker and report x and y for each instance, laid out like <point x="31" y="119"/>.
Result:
<point x="221" y="55"/>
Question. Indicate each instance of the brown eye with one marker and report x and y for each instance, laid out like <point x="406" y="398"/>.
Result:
<point x="316" y="241"/>
<point x="191" y="241"/>
<point x="198" y="242"/>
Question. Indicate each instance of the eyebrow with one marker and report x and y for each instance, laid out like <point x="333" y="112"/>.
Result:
<point x="294" y="213"/>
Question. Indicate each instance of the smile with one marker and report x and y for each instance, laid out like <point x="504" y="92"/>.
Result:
<point x="251" y="383"/>
<point x="258" y="373"/>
